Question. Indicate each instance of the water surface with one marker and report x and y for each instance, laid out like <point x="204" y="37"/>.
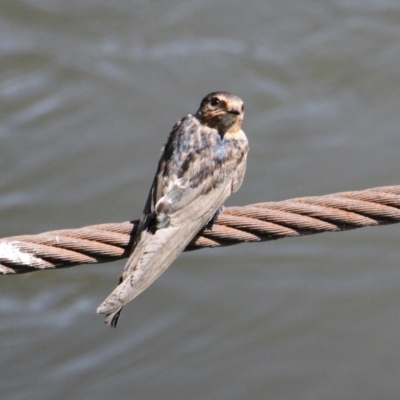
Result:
<point x="89" y="91"/>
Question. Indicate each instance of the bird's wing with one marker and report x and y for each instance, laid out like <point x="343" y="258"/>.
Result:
<point x="157" y="248"/>
<point x="238" y="174"/>
<point x="203" y="184"/>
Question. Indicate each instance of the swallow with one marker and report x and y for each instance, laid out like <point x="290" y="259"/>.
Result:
<point x="202" y="163"/>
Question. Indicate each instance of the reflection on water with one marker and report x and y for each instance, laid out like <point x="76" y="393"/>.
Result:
<point x="88" y="93"/>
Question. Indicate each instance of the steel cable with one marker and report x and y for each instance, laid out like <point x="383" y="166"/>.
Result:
<point x="252" y="223"/>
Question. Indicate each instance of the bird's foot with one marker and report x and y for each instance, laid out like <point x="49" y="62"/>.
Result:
<point x="211" y="222"/>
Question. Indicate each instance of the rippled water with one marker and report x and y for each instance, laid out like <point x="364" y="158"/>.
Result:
<point x="88" y="93"/>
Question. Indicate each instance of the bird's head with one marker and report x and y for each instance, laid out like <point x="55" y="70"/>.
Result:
<point x="222" y="111"/>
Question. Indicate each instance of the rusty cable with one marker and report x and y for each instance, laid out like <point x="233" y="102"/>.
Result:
<point x="253" y="223"/>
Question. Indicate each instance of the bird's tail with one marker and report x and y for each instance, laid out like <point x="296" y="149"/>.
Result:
<point x="145" y="265"/>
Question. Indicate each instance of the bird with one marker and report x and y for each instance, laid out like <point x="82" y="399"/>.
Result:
<point x="202" y="163"/>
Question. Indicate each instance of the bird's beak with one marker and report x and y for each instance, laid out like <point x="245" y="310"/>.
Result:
<point x="234" y="111"/>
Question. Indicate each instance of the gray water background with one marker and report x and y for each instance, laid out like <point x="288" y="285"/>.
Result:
<point x="89" y="91"/>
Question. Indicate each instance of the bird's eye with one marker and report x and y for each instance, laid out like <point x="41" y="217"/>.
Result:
<point x="214" y="101"/>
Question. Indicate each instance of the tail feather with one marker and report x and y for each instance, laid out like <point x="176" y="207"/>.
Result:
<point x="159" y="253"/>
<point x="113" y="318"/>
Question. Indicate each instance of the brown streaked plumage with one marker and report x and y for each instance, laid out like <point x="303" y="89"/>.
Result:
<point x="203" y="162"/>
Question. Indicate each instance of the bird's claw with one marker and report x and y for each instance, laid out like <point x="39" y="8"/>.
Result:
<point x="211" y="222"/>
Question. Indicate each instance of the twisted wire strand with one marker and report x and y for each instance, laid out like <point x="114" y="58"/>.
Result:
<point x="252" y="223"/>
